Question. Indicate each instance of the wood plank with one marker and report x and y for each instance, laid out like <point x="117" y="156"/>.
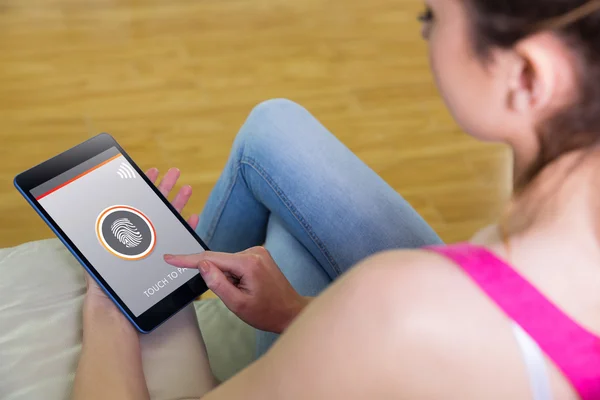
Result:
<point x="174" y="81"/>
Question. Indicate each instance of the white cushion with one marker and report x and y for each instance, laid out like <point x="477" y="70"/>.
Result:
<point x="41" y="292"/>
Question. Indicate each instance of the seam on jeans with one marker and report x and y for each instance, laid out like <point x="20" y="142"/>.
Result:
<point x="219" y="214"/>
<point x="292" y="209"/>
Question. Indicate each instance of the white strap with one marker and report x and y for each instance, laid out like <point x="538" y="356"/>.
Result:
<point x="535" y="363"/>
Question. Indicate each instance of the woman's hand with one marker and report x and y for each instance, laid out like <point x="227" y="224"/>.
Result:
<point x="95" y="296"/>
<point x="250" y="284"/>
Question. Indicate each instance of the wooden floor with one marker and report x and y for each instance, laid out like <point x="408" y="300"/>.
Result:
<point x="173" y="80"/>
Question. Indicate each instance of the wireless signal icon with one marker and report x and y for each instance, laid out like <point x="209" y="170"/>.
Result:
<point x="125" y="171"/>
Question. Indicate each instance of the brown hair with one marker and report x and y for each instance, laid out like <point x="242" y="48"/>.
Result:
<point x="503" y="23"/>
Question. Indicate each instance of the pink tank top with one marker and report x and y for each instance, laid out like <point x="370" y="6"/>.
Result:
<point x="573" y="349"/>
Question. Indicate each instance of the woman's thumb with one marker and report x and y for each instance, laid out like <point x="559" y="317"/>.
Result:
<point x="221" y="286"/>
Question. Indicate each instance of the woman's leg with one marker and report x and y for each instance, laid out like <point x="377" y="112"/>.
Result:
<point x="291" y="184"/>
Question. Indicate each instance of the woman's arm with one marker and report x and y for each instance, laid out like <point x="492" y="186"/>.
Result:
<point x="350" y="343"/>
<point x="402" y="325"/>
<point x="353" y="333"/>
<point x="110" y="366"/>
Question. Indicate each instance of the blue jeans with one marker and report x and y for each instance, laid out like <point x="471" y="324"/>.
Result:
<point x="292" y="186"/>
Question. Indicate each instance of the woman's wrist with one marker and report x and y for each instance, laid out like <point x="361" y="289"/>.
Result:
<point x="101" y="314"/>
<point x="298" y="307"/>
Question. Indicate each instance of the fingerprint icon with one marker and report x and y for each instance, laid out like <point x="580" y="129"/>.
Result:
<point x="126" y="232"/>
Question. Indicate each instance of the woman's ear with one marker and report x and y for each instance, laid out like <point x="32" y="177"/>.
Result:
<point x="521" y="85"/>
<point x="542" y="75"/>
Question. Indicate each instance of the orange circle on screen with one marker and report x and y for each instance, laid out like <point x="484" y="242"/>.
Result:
<point x="103" y="242"/>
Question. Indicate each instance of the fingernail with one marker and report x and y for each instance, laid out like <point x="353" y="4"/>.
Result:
<point x="204" y="267"/>
<point x="168" y="257"/>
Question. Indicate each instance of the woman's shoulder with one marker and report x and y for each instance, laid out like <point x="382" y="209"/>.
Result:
<point x="410" y="275"/>
<point x="419" y="285"/>
<point x="441" y="321"/>
<point x="402" y="324"/>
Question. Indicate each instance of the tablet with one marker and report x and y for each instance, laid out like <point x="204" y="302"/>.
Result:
<point x="118" y="226"/>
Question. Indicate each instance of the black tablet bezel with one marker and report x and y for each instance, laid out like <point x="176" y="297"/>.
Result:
<point x="41" y="173"/>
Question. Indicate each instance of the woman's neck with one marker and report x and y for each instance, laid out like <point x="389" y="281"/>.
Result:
<point x="562" y="202"/>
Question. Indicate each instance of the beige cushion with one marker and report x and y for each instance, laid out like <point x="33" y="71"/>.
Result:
<point x="41" y="292"/>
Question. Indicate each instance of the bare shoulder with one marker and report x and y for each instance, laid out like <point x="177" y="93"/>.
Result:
<point x="402" y="324"/>
<point x="427" y="295"/>
<point x="412" y="278"/>
<point x="435" y="321"/>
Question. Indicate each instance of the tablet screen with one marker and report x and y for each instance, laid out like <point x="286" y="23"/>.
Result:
<point x="121" y="226"/>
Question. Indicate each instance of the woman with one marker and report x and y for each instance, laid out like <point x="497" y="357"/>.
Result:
<point x="514" y="314"/>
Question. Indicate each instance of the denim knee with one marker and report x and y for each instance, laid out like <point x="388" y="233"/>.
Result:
<point x="267" y="128"/>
